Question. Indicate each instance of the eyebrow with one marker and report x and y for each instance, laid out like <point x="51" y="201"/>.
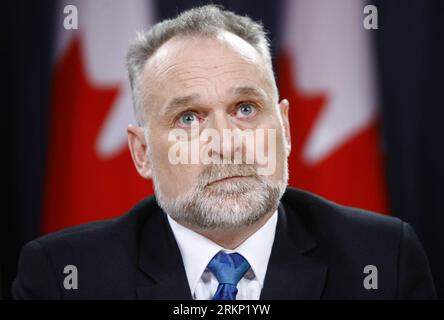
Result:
<point x="247" y="91"/>
<point x="182" y="102"/>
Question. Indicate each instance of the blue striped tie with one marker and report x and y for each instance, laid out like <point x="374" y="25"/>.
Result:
<point x="228" y="268"/>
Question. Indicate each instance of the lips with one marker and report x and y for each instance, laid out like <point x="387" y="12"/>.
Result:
<point x="228" y="178"/>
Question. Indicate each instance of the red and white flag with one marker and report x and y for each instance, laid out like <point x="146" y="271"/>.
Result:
<point x="326" y="70"/>
<point x="90" y="174"/>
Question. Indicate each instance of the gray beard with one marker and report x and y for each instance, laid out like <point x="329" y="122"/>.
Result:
<point x="224" y="206"/>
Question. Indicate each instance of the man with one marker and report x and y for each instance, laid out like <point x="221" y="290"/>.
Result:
<point x="225" y="226"/>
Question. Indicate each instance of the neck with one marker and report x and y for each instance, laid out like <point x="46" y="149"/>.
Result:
<point x="231" y="239"/>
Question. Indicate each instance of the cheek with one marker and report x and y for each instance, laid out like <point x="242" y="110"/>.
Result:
<point x="274" y="137"/>
<point x="174" y="179"/>
<point x="273" y="145"/>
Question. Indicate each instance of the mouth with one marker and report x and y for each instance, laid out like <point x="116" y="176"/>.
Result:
<point x="231" y="178"/>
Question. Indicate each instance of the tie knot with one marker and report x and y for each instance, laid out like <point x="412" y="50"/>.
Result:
<point x="228" y="268"/>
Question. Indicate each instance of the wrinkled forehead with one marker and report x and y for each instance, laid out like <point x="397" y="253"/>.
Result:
<point x="187" y="55"/>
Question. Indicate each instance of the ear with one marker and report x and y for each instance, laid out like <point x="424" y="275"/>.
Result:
<point x="139" y="151"/>
<point x="284" y="105"/>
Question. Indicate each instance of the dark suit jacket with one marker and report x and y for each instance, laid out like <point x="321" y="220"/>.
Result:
<point x="319" y="252"/>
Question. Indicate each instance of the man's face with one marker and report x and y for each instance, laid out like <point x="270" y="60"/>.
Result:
<point x="214" y="83"/>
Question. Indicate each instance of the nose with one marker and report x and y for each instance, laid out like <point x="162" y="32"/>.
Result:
<point x="230" y="144"/>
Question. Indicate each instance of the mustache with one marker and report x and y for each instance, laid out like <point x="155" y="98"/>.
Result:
<point x="215" y="172"/>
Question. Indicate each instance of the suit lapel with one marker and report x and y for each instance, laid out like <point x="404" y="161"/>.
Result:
<point x="291" y="272"/>
<point x="160" y="259"/>
<point x="172" y="288"/>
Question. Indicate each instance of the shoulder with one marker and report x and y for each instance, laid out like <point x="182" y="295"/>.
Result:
<point x="99" y="250"/>
<point x="326" y="217"/>
<point x="346" y="233"/>
<point x="349" y="239"/>
<point x="94" y="233"/>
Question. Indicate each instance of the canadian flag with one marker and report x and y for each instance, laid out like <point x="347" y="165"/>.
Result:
<point x="327" y="72"/>
<point x="89" y="173"/>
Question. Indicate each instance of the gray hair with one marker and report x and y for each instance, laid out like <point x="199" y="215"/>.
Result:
<point x="207" y="20"/>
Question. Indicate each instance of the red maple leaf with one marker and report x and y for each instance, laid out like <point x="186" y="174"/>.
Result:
<point x="81" y="186"/>
<point x="353" y="174"/>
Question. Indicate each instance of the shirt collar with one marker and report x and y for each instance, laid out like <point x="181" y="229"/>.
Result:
<point x="197" y="250"/>
<point x="257" y="248"/>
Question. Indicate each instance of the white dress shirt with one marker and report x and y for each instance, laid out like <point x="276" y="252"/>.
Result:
<point x="197" y="251"/>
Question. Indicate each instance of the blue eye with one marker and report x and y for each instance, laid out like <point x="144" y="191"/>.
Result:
<point x="188" y="119"/>
<point x="246" y="110"/>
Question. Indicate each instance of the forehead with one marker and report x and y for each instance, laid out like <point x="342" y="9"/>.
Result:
<point x="196" y="61"/>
